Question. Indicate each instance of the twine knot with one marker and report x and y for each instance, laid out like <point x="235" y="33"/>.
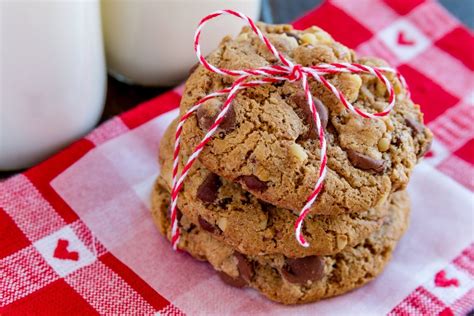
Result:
<point x="296" y="73"/>
<point x="271" y="74"/>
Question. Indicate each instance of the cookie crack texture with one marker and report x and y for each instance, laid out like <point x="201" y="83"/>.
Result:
<point x="341" y="272"/>
<point x="255" y="227"/>
<point x="269" y="139"/>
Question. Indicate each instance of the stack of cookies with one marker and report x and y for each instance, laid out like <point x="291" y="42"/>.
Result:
<point x="240" y="201"/>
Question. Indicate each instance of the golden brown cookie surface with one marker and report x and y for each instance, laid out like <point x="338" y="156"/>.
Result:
<point x="254" y="227"/>
<point x="267" y="143"/>
<point x="291" y="280"/>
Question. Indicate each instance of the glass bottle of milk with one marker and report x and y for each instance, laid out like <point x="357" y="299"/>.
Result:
<point x="52" y="77"/>
<point x="151" y="42"/>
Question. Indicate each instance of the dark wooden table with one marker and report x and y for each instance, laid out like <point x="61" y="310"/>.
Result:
<point x="122" y="97"/>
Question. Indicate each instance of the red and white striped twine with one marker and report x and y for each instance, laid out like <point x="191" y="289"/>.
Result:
<point x="287" y="71"/>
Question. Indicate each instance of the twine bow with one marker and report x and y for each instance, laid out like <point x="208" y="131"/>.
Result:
<point x="285" y="71"/>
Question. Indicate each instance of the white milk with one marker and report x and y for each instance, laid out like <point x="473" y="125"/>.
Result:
<point x="52" y="77"/>
<point x="151" y="42"/>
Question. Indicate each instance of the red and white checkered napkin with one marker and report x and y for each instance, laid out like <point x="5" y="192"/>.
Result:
<point x="76" y="235"/>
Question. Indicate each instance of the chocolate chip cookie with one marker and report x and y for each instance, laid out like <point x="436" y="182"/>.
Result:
<point x="254" y="227"/>
<point x="267" y="142"/>
<point x="290" y="280"/>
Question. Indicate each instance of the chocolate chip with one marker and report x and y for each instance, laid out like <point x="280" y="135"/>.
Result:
<point x="301" y="270"/>
<point x="365" y="162"/>
<point x="322" y="111"/>
<point x="244" y="266"/>
<point x="245" y="272"/>
<point x="304" y="113"/>
<point x="416" y="126"/>
<point x="228" y="124"/>
<point x="253" y="183"/>
<point x="206" y="225"/>
<point x="227" y="279"/>
<point x="208" y="190"/>
<point x="207" y="113"/>
<point x="205" y="117"/>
